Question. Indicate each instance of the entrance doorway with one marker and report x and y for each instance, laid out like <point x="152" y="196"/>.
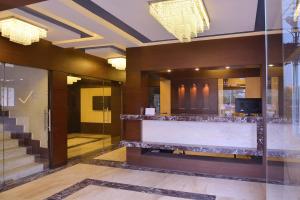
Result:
<point x="94" y="108"/>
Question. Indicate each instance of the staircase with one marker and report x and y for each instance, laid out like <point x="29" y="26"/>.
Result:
<point x="15" y="160"/>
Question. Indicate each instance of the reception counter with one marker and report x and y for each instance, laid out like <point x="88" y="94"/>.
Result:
<point x="200" y="133"/>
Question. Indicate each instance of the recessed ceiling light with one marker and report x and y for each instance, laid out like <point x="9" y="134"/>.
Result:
<point x="271" y="65"/>
<point x="196" y="69"/>
<point x="227" y="67"/>
<point x="21" y="79"/>
<point x="169" y="70"/>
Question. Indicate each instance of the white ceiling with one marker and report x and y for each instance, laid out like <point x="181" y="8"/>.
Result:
<point x="226" y="16"/>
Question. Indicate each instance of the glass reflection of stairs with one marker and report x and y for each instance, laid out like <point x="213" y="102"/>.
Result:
<point x="15" y="162"/>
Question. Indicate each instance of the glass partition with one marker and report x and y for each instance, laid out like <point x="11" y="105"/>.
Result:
<point x="283" y="99"/>
<point x="24" y="121"/>
<point x="2" y="136"/>
<point x="94" y="115"/>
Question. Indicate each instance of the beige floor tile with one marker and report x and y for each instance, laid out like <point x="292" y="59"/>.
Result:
<point x="116" y="155"/>
<point x="104" y="193"/>
<point x="222" y="188"/>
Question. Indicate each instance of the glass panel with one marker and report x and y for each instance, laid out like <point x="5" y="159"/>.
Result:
<point x="86" y="116"/>
<point x="283" y="97"/>
<point x="24" y="100"/>
<point x="2" y="136"/>
<point x="112" y="108"/>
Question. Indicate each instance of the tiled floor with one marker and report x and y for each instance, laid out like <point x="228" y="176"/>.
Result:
<point x="136" y="184"/>
<point x="116" y="155"/>
<point x="80" y="144"/>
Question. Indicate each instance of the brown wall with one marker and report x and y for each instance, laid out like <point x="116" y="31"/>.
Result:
<point x="190" y="96"/>
<point x="44" y="55"/>
<point x="211" y="53"/>
<point x="59" y="115"/>
<point x="9" y="4"/>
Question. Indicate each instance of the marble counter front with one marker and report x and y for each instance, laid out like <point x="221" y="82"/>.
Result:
<point x="200" y="133"/>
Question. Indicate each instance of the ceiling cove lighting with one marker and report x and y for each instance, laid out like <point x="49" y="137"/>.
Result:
<point x="20" y="31"/>
<point x="182" y="18"/>
<point x="118" y="63"/>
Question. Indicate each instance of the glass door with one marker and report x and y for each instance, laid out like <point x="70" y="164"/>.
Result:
<point x="24" y="121"/>
<point x="283" y="98"/>
<point x="2" y="136"/>
<point x="113" y="107"/>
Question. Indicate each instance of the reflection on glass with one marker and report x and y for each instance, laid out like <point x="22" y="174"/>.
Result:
<point x="283" y="104"/>
<point x="24" y="121"/>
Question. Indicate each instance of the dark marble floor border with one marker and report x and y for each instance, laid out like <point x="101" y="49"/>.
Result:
<point x="136" y="188"/>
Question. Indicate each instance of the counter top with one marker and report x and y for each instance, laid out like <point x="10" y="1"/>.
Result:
<point x="200" y="118"/>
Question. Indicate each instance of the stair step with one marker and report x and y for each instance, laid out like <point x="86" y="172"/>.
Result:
<point x="4" y="136"/>
<point x="23" y="171"/>
<point x="12" y="152"/>
<point x="13" y="128"/>
<point x="9" y="143"/>
<point x="15" y="162"/>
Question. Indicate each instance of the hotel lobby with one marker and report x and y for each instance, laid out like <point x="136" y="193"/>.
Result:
<point x="150" y="99"/>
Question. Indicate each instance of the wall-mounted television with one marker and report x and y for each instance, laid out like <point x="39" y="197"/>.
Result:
<point x="248" y="105"/>
<point x="101" y="102"/>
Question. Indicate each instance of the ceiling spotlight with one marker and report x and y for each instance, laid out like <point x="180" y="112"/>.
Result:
<point x="196" y="69"/>
<point x="271" y="65"/>
<point x="227" y="67"/>
<point x="169" y="70"/>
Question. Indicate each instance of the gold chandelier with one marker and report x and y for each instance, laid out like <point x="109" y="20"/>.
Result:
<point x="182" y="18"/>
<point x="20" y="31"/>
<point x="118" y="63"/>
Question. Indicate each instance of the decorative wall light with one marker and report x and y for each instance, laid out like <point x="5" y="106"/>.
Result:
<point x="20" y="31"/>
<point x="118" y="63"/>
<point x="182" y="18"/>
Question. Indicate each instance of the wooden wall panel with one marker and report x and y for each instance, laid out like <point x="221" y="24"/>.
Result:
<point x="10" y="4"/>
<point x="196" y="103"/>
<point x="203" y="54"/>
<point x="44" y="55"/>
<point x="59" y="115"/>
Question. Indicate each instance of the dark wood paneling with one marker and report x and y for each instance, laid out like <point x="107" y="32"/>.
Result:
<point x="208" y="74"/>
<point x="116" y="110"/>
<point x="203" y="54"/>
<point x="210" y="53"/>
<point x="202" y="105"/>
<point x="205" y="166"/>
<point x="47" y="56"/>
<point x="10" y="4"/>
<point x="59" y="116"/>
<point x="74" y="108"/>
<point x="132" y="130"/>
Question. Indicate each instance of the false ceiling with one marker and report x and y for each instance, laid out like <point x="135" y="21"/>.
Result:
<point x="105" y="28"/>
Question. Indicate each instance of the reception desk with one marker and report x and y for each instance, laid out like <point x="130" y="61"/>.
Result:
<point x="214" y="134"/>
